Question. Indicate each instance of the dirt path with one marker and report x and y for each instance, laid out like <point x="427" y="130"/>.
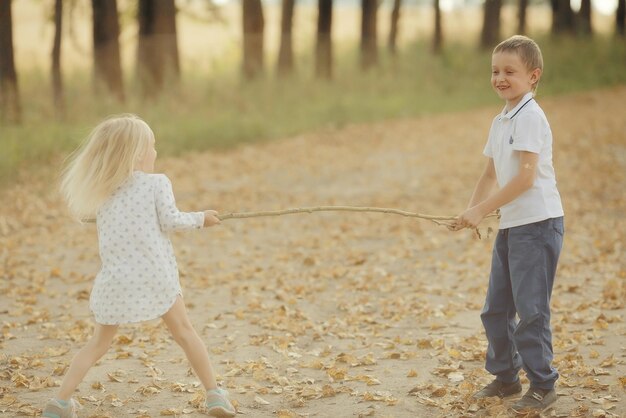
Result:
<point x="330" y="314"/>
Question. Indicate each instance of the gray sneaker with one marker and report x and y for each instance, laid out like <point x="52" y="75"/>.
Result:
<point x="535" y="400"/>
<point x="218" y="405"/>
<point x="499" y="389"/>
<point x="54" y="409"/>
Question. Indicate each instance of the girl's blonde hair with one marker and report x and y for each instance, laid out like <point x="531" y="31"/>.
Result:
<point x="104" y="161"/>
<point x="526" y="48"/>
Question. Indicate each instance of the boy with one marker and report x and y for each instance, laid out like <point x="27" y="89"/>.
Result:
<point x="530" y="237"/>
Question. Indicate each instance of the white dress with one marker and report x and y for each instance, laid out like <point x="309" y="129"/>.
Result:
<point x="138" y="280"/>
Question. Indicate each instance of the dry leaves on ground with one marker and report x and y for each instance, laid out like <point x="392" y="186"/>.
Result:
<point x="329" y="314"/>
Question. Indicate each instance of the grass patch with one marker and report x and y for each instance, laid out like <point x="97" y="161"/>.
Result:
<point x="223" y="111"/>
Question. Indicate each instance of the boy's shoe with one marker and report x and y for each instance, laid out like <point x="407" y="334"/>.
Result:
<point x="499" y="389"/>
<point x="535" y="400"/>
<point x="54" y="409"/>
<point x="218" y="405"/>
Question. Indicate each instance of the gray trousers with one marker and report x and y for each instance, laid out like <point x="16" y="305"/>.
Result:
<point x="522" y="274"/>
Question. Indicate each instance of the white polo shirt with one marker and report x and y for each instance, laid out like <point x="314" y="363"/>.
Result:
<point x="524" y="128"/>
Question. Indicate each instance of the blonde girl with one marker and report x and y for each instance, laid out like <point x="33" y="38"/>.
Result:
<point x="110" y="177"/>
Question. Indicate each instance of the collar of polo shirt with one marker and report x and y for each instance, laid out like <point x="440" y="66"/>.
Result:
<point x="511" y="114"/>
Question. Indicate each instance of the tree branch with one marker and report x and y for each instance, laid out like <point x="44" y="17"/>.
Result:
<point x="439" y="220"/>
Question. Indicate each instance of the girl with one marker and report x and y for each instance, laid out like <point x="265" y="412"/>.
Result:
<point x="110" y="176"/>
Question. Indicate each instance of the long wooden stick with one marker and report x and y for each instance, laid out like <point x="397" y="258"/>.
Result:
<point x="439" y="220"/>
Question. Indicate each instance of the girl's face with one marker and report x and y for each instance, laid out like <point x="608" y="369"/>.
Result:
<point x="510" y="77"/>
<point x="146" y="164"/>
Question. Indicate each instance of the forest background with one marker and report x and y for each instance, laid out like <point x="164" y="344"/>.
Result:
<point x="211" y="74"/>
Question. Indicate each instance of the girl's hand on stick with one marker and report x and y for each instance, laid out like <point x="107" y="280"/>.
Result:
<point x="210" y="218"/>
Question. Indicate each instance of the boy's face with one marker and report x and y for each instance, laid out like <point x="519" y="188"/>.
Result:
<point x="511" y="78"/>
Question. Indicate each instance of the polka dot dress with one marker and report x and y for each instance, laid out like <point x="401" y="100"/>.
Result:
<point x="138" y="280"/>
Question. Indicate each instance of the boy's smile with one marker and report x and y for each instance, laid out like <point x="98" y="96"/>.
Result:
<point x="511" y="78"/>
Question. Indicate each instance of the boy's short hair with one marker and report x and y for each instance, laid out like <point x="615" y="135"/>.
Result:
<point x="526" y="48"/>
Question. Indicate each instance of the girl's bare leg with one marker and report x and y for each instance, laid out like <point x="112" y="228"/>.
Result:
<point x="185" y="335"/>
<point x="85" y="358"/>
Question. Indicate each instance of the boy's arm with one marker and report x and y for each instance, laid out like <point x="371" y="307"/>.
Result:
<point x="519" y="184"/>
<point x="484" y="185"/>
<point x="483" y="188"/>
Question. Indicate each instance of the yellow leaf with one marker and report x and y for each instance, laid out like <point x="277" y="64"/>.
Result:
<point x="113" y="378"/>
<point x="337" y="373"/>
<point x="439" y="392"/>
<point x="260" y="400"/>
<point x="284" y="413"/>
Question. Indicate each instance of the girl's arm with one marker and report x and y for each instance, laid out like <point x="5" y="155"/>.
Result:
<point x="480" y="206"/>
<point x="170" y="218"/>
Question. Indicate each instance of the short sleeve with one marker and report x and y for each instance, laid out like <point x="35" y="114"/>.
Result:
<point x="488" y="151"/>
<point x="170" y="218"/>
<point x="529" y="133"/>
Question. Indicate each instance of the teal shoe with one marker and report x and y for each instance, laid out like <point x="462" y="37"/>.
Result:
<point x="55" y="409"/>
<point x="218" y="405"/>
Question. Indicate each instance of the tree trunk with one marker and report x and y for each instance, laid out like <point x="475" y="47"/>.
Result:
<point x="57" y="80"/>
<point x="438" y="35"/>
<point x="369" y="49"/>
<point x="584" y="18"/>
<point x="157" y="49"/>
<point x="323" y="45"/>
<point x="253" y="24"/>
<point x="393" y="31"/>
<point x="620" y="18"/>
<point x="106" y="48"/>
<point x="562" y="17"/>
<point x="491" y="24"/>
<point x="285" y="53"/>
<point x="521" y="16"/>
<point x="10" y="108"/>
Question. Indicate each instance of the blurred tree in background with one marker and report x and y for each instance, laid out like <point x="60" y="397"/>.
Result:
<point x="157" y="50"/>
<point x="57" y="79"/>
<point x="438" y="35"/>
<point x="521" y="17"/>
<point x="393" y="31"/>
<point x="620" y="18"/>
<point x="285" y="53"/>
<point x="562" y="17"/>
<point x="9" y="93"/>
<point x="584" y="17"/>
<point x="106" y="49"/>
<point x="491" y="24"/>
<point x="253" y="26"/>
<point x="369" y="48"/>
<point x="323" y="44"/>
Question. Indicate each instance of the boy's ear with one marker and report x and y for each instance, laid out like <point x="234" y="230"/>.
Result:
<point x="535" y="75"/>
